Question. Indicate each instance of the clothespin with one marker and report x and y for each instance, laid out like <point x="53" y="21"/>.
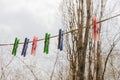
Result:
<point x="95" y="29"/>
<point x="25" y="46"/>
<point x="14" y="51"/>
<point x="34" y="45"/>
<point x="60" y="40"/>
<point x="46" y="43"/>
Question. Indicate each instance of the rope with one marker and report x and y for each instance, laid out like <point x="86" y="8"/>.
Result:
<point x="65" y="32"/>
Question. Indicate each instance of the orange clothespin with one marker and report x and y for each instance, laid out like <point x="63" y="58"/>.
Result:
<point x="96" y="35"/>
<point x="34" y="45"/>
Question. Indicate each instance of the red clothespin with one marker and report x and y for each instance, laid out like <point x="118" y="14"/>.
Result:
<point x="34" y="45"/>
<point x="95" y="29"/>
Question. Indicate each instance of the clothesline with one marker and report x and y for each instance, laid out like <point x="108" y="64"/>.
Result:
<point x="65" y="32"/>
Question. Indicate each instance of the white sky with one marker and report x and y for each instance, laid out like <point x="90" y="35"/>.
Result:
<point x="26" y="18"/>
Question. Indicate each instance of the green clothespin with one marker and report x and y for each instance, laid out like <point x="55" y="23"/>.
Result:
<point x="46" y="43"/>
<point x="15" y="46"/>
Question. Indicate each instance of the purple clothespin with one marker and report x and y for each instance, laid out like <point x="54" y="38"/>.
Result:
<point x="25" y="46"/>
<point x="60" y="40"/>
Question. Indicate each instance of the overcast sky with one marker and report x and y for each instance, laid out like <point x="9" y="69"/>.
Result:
<point x="26" y="18"/>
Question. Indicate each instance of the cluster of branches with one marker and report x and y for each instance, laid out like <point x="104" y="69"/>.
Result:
<point x="84" y="54"/>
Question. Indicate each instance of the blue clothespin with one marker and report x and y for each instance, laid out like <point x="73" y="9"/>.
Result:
<point x="60" y="40"/>
<point x="25" y="46"/>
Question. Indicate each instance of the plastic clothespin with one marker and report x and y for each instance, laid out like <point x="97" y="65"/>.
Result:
<point x="60" y="40"/>
<point x="25" y="46"/>
<point x="34" y="45"/>
<point x="14" y="51"/>
<point x="46" y="43"/>
<point x="95" y="29"/>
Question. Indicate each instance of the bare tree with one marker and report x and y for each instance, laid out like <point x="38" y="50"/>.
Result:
<point x="84" y="53"/>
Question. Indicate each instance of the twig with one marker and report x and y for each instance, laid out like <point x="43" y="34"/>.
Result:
<point x="54" y="67"/>
<point x="112" y="47"/>
<point x="28" y="68"/>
